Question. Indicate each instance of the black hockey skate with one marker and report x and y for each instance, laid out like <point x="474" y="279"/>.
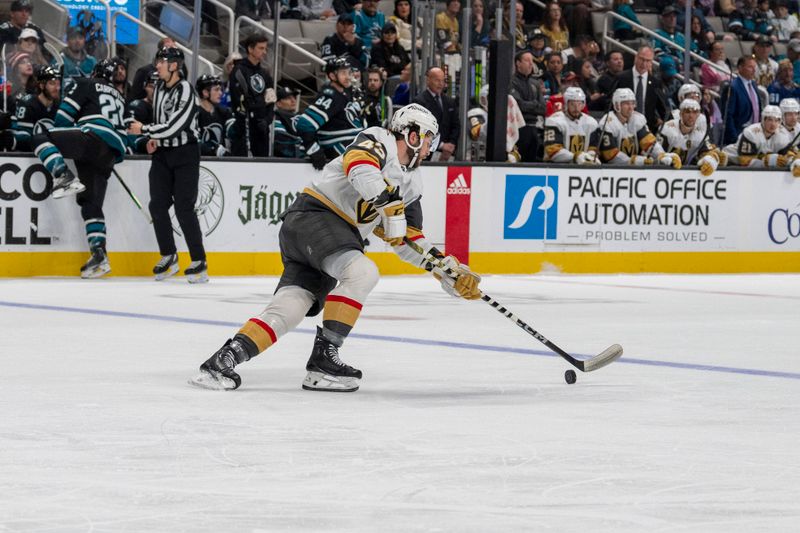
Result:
<point x="326" y="371"/>
<point x="197" y="272"/>
<point x="166" y="267"/>
<point x="217" y="372"/>
<point x="97" y="265"/>
<point x="67" y="184"/>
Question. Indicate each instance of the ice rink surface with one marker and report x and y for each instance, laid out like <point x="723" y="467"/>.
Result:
<point x="463" y="422"/>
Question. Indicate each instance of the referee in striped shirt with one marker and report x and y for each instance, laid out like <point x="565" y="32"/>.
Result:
<point x="175" y="170"/>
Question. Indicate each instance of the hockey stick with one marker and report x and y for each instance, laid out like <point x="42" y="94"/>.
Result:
<point x="133" y="197"/>
<point x="606" y="357"/>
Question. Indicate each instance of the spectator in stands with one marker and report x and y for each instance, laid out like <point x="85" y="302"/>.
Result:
<point x="528" y="92"/>
<point x="707" y="6"/>
<point x="21" y="77"/>
<point x="622" y="30"/>
<point x="585" y="48"/>
<point x="784" y="85"/>
<point x="402" y="93"/>
<point x="578" y="16"/>
<point x="793" y="55"/>
<point x="388" y="54"/>
<point x="227" y="68"/>
<point x="479" y="32"/>
<point x="670" y="80"/>
<point x="402" y="19"/>
<point x="120" y="80"/>
<point x="314" y="9"/>
<point x="783" y="22"/>
<point x="369" y="23"/>
<point x="700" y="39"/>
<point x="447" y="29"/>
<point x="748" y="23"/>
<point x="587" y="82"/>
<point x="537" y="44"/>
<point x="607" y="83"/>
<point x="29" y="44"/>
<point x="555" y="28"/>
<point x="254" y="9"/>
<point x="345" y="42"/>
<point x="766" y="67"/>
<point x="705" y="27"/>
<point x="552" y="77"/>
<point x="671" y="32"/>
<point x="250" y="87"/>
<point x="712" y="78"/>
<point x="19" y="19"/>
<point x="520" y="40"/>
<point x="741" y="105"/>
<point x="144" y="72"/>
<point x="443" y="108"/>
<point x="647" y="88"/>
<point x="375" y="112"/>
<point x="287" y="143"/>
<point x="77" y="63"/>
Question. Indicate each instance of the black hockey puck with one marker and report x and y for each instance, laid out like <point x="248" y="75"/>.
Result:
<point x="570" y="377"/>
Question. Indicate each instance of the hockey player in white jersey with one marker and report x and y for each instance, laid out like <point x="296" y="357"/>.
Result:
<point x="571" y="136"/>
<point x="683" y="136"/>
<point x="763" y="144"/>
<point x="375" y="183"/>
<point x="690" y="90"/>
<point x="790" y="110"/>
<point x="625" y="137"/>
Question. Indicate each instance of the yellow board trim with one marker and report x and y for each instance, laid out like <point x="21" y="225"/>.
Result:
<point x="25" y="264"/>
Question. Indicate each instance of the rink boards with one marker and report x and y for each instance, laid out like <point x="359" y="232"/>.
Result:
<point x="504" y="219"/>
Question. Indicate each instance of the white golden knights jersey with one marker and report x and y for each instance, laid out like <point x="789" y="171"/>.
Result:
<point x="565" y="137"/>
<point x="375" y="147"/>
<point x="753" y="145"/>
<point x="793" y="134"/>
<point x="701" y="124"/>
<point x="694" y="144"/>
<point x="619" y="142"/>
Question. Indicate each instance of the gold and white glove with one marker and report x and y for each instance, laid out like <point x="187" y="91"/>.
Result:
<point x="457" y="279"/>
<point x="587" y="158"/>
<point x="777" y="160"/>
<point x="640" y="160"/>
<point x="392" y="209"/>
<point x="670" y="159"/>
<point x="795" y="166"/>
<point x="708" y="164"/>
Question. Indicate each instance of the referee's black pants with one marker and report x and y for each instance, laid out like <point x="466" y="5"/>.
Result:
<point x="174" y="176"/>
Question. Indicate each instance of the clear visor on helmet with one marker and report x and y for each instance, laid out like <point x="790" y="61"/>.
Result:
<point x="434" y="140"/>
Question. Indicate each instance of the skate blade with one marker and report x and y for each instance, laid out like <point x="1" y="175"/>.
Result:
<point x="319" y="381"/>
<point x="204" y="380"/>
<point x="73" y="188"/>
<point x="168" y="273"/>
<point x="197" y="278"/>
<point x="96" y="272"/>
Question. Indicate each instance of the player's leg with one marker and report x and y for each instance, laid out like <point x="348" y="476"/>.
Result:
<point x="51" y="148"/>
<point x="161" y="185"/>
<point x="186" y="169"/>
<point x="91" y="203"/>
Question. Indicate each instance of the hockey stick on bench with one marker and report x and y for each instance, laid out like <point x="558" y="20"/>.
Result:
<point x="606" y="357"/>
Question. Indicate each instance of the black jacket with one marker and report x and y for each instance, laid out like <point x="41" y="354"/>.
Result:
<point x="655" y="102"/>
<point x="527" y="91"/>
<point x="390" y="58"/>
<point x="449" y="125"/>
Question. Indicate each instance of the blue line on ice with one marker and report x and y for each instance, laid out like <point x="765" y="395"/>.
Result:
<point x="407" y="340"/>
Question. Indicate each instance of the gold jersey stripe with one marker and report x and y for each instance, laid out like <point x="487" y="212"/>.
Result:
<point x="330" y="205"/>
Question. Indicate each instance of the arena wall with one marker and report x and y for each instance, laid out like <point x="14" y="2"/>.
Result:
<point x="501" y="219"/>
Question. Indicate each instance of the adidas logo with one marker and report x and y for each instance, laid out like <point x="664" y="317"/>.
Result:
<point x="459" y="186"/>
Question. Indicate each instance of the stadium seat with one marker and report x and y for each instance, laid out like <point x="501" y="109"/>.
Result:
<point x="317" y="30"/>
<point x="780" y="49"/>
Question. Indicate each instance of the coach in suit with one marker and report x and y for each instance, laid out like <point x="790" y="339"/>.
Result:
<point x="650" y="99"/>
<point x="443" y="108"/>
<point x="743" y="106"/>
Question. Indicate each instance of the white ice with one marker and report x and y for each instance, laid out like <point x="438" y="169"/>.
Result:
<point x="463" y="423"/>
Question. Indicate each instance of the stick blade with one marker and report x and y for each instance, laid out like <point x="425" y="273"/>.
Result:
<point x="606" y="357"/>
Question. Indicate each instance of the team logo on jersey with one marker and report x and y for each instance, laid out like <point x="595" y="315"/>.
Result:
<point x="257" y="83"/>
<point x="459" y="186"/>
<point x="576" y="144"/>
<point x="209" y="206"/>
<point x="365" y="212"/>
<point x="628" y="146"/>
<point x="531" y="207"/>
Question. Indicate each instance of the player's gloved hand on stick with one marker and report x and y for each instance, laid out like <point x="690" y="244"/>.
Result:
<point x="390" y="205"/>
<point x="640" y="160"/>
<point x="587" y="158"/>
<point x="707" y="164"/>
<point x="777" y="160"/>
<point x="317" y="156"/>
<point x="457" y="279"/>
<point x="795" y="166"/>
<point x="670" y="159"/>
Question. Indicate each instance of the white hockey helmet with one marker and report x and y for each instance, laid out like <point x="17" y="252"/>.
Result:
<point x="789" y="105"/>
<point x="622" y="95"/>
<point x="771" y="111"/>
<point x="690" y="103"/>
<point x="575" y="94"/>
<point x="414" y="117"/>
<point x="687" y="89"/>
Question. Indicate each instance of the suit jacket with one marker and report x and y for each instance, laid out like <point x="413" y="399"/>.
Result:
<point x="737" y="109"/>
<point x="448" y="119"/>
<point x="655" y="103"/>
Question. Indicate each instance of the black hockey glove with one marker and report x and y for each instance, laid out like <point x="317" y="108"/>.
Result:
<point x="7" y="140"/>
<point x="317" y="156"/>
